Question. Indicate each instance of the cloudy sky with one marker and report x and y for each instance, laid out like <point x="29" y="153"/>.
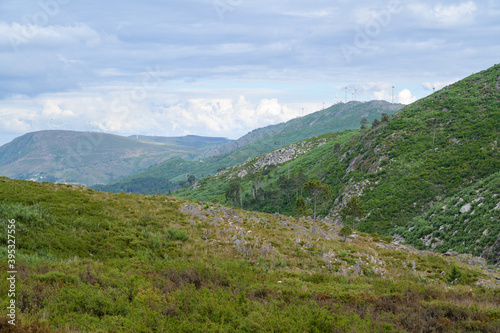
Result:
<point x="225" y="67"/>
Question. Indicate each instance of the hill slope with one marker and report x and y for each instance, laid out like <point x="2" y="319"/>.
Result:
<point x="466" y="222"/>
<point x="167" y="176"/>
<point x="90" y="261"/>
<point x="427" y="151"/>
<point x="89" y="158"/>
<point x="280" y="170"/>
<point x="400" y="168"/>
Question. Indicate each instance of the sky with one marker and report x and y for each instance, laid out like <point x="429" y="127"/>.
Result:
<point x="225" y="67"/>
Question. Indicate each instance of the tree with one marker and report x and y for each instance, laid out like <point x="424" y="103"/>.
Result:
<point x="286" y="186"/>
<point x="353" y="208"/>
<point x="454" y="276"/>
<point x="191" y="179"/>
<point x="363" y="123"/>
<point x="300" y="207"/>
<point x="336" y="149"/>
<point x="233" y="192"/>
<point x="345" y="232"/>
<point x="375" y="123"/>
<point x="275" y="198"/>
<point x="385" y="117"/>
<point x="299" y="179"/>
<point x="318" y="192"/>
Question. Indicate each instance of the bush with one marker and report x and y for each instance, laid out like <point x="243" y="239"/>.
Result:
<point x="345" y="232"/>
<point x="454" y="277"/>
<point x="175" y="234"/>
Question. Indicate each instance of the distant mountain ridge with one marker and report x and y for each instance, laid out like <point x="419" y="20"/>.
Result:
<point x="91" y="157"/>
<point x="338" y="117"/>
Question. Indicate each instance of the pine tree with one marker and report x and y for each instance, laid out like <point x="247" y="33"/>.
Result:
<point x="353" y="208"/>
<point x="318" y="192"/>
<point x="454" y="276"/>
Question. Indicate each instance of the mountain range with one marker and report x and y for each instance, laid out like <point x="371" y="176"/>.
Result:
<point x="92" y="157"/>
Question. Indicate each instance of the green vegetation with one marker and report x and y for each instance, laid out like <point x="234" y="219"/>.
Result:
<point x="354" y="209"/>
<point x="428" y="151"/>
<point x="345" y="232"/>
<point x="270" y="186"/>
<point x="89" y="261"/>
<point x="466" y="222"/>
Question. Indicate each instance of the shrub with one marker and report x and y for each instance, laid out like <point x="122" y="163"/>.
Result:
<point x="454" y="277"/>
<point x="345" y="232"/>
<point x="175" y="234"/>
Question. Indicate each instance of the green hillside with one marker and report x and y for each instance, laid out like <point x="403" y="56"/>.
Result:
<point x="399" y="167"/>
<point x="167" y="176"/>
<point x="162" y="178"/>
<point x="427" y="151"/>
<point x="271" y="182"/>
<point x="90" y="158"/>
<point x="89" y="261"/>
<point x="466" y="222"/>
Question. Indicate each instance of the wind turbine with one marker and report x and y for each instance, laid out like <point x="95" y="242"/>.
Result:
<point x="355" y="92"/>
<point x="393" y="94"/>
<point x="433" y="88"/>
<point x="346" y="94"/>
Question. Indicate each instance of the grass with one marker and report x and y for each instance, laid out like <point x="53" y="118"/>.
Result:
<point x="91" y="261"/>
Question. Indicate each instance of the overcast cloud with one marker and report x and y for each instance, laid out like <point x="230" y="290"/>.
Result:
<point x="225" y="67"/>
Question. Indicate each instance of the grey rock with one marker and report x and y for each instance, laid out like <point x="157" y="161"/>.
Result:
<point x="465" y="208"/>
<point x="357" y="268"/>
<point x="451" y="253"/>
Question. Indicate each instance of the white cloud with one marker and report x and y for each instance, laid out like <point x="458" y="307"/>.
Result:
<point x="447" y="15"/>
<point x="52" y="109"/>
<point x="405" y="97"/>
<point x="229" y="117"/>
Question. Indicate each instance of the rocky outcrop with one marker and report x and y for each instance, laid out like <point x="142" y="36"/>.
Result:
<point x="276" y="157"/>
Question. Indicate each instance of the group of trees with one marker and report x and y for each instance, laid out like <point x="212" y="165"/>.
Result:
<point x="286" y="187"/>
